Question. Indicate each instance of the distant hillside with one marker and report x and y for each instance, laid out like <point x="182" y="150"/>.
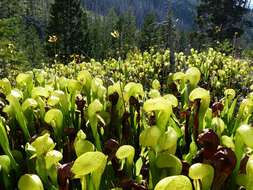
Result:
<point x="184" y="10"/>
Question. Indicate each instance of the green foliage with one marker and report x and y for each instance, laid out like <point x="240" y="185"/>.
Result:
<point x="65" y="23"/>
<point x="20" y="47"/>
<point x="174" y="183"/>
<point x="73" y="128"/>
<point x="9" y="8"/>
<point x="30" y="181"/>
<point x="217" y="70"/>
<point x="148" y="33"/>
<point x="221" y="21"/>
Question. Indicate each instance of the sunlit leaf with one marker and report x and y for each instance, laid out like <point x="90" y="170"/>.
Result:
<point x="29" y="103"/>
<point x="74" y="85"/>
<point x="133" y="89"/>
<point x="40" y="91"/>
<point x="199" y="93"/>
<point x="168" y="141"/>
<point x="193" y="75"/>
<point x="25" y="80"/>
<point x="52" y="157"/>
<point x="5" y="85"/>
<point x="179" y="76"/>
<point x="156" y="84"/>
<point x="85" y="78"/>
<point x="230" y="93"/>
<point x="246" y="133"/>
<point x="173" y="100"/>
<point x="81" y="145"/>
<point x="16" y="93"/>
<point x="218" y="125"/>
<point x="178" y="182"/>
<point x="5" y="163"/>
<point x="30" y="182"/>
<point x="166" y="160"/>
<point x="157" y="104"/>
<point x="53" y="100"/>
<point x="149" y="137"/>
<point x="203" y="172"/>
<point x="43" y="144"/>
<point x="126" y="152"/>
<point x="88" y="162"/>
<point x="19" y="115"/>
<point x="54" y="117"/>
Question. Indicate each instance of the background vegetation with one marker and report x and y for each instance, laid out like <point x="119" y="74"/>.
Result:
<point x="46" y="31"/>
<point x="122" y="95"/>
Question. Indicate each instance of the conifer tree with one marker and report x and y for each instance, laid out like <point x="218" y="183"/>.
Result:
<point x="148" y="32"/>
<point x="169" y="30"/>
<point x="9" y="8"/>
<point x="65" y="24"/>
<point x="126" y="27"/>
<point x="111" y="27"/>
<point x="222" y="19"/>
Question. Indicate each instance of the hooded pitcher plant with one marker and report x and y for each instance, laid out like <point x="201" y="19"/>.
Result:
<point x="85" y="78"/>
<point x="5" y="167"/>
<point x="177" y="182"/>
<point x="5" y="145"/>
<point x="162" y="108"/>
<point x="244" y="113"/>
<point x="168" y="164"/>
<point x="15" y="110"/>
<point x="229" y="104"/>
<point x="202" y="176"/>
<point x="40" y="94"/>
<point x="173" y="119"/>
<point x="93" y="110"/>
<point x="25" y="82"/>
<point x="126" y="153"/>
<point x="89" y="167"/>
<point x="28" y="107"/>
<point x="82" y="145"/>
<point x="98" y="89"/>
<point x="5" y="86"/>
<point x="153" y="138"/>
<point x="54" y="117"/>
<point x="243" y="139"/>
<point x="133" y="89"/>
<point x="30" y="182"/>
<point x="160" y="155"/>
<point x="192" y="76"/>
<point x="246" y="180"/>
<point x="73" y="86"/>
<point x="204" y="97"/>
<point x="47" y="159"/>
<point x="116" y="88"/>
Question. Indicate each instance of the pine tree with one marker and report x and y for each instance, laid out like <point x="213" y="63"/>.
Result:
<point x="111" y="42"/>
<point x="9" y="8"/>
<point x="85" y="43"/>
<point x="126" y="27"/>
<point x="65" y="24"/>
<point x="222" y="19"/>
<point x="95" y="37"/>
<point x="169" y="35"/>
<point x="148" y="32"/>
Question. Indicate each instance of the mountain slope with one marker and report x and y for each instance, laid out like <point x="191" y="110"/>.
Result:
<point x="184" y="10"/>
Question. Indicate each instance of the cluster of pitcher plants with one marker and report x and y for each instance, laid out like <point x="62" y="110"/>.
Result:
<point x="80" y="133"/>
<point x="218" y="70"/>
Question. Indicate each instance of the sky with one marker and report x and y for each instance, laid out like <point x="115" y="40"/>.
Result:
<point x="251" y="5"/>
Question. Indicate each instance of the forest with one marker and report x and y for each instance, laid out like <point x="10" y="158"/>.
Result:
<point x="126" y="95"/>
